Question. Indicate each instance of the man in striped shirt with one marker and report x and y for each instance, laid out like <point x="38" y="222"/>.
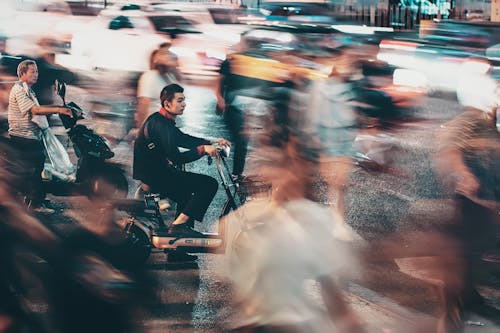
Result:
<point x="26" y="120"/>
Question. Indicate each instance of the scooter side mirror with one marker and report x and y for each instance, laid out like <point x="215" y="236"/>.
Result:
<point x="61" y="89"/>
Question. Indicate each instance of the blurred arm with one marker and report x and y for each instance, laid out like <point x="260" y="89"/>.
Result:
<point x="142" y="111"/>
<point x="450" y="164"/>
<point x="46" y="110"/>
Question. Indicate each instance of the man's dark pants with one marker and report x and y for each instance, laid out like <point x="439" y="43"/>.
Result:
<point x="192" y="192"/>
<point x="31" y="157"/>
<point x="475" y="231"/>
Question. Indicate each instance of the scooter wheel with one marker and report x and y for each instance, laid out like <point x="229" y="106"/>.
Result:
<point x="140" y="246"/>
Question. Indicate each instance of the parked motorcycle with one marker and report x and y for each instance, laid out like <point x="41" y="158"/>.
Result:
<point x="95" y="174"/>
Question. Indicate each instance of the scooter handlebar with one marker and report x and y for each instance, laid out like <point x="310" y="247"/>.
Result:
<point x="69" y="122"/>
<point x="222" y="150"/>
<point x="78" y="113"/>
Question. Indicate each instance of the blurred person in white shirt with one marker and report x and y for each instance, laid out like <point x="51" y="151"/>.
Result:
<point x="288" y="252"/>
<point x="164" y="70"/>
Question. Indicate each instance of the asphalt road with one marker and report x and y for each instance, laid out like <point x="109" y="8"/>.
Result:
<point x="389" y="210"/>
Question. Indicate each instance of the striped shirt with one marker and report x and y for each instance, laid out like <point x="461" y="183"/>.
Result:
<point x="479" y="142"/>
<point x="21" y="100"/>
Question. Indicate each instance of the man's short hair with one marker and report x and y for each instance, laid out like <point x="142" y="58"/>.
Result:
<point x="23" y="66"/>
<point x="168" y="92"/>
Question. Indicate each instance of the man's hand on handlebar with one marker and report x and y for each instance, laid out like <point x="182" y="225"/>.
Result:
<point x="211" y="150"/>
<point x="221" y="142"/>
<point x="65" y="111"/>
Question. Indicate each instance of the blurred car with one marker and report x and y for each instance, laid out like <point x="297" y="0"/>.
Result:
<point x="29" y="22"/>
<point x="476" y="14"/>
<point x="273" y="54"/>
<point x="224" y="23"/>
<point x="297" y="11"/>
<point x="274" y="50"/>
<point x="444" y="53"/>
<point x="124" y="39"/>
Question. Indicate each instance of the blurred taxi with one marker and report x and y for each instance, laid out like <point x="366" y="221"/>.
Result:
<point x="275" y="52"/>
<point x="272" y="55"/>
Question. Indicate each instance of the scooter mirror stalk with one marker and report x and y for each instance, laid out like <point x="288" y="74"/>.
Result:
<point x="61" y="90"/>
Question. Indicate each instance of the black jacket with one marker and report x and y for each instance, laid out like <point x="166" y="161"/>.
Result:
<point x="157" y="154"/>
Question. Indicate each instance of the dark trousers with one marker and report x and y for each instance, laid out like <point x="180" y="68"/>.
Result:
<point x="31" y="156"/>
<point x="474" y="229"/>
<point x="192" y="192"/>
<point x="235" y="122"/>
<point x="298" y="328"/>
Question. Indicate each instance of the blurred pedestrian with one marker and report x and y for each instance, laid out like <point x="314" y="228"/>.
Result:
<point x="329" y="116"/>
<point x="27" y="119"/>
<point x="287" y="247"/>
<point x="164" y="70"/>
<point x="48" y="72"/>
<point x="228" y="85"/>
<point x="467" y="164"/>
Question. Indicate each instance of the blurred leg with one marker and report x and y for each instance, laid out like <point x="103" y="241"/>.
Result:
<point x="336" y="171"/>
<point x="235" y="122"/>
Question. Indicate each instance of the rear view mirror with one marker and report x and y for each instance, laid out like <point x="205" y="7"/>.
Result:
<point x="61" y="90"/>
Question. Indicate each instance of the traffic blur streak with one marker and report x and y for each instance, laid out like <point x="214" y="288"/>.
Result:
<point x="444" y="52"/>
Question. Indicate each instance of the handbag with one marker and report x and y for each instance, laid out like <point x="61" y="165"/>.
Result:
<point x="60" y="164"/>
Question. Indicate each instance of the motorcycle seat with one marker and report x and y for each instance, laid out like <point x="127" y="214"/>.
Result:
<point x="144" y="189"/>
<point x="129" y="205"/>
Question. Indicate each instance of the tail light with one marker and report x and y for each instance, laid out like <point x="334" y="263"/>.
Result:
<point x="398" y="45"/>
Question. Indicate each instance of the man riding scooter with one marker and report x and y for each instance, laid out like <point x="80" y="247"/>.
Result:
<point x="157" y="161"/>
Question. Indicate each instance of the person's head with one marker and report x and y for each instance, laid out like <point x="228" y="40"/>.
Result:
<point x="345" y="63"/>
<point x="27" y="71"/>
<point x="172" y="99"/>
<point x="162" y="59"/>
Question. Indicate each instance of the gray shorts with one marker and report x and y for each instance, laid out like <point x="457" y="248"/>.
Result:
<point x="337" y="141"/>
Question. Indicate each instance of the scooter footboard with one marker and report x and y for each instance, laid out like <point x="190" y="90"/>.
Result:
<point x="211" y="243"/>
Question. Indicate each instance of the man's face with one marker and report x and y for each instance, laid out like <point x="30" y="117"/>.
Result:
<point x="177" y="105"/>
<point x="31" y="76"/>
